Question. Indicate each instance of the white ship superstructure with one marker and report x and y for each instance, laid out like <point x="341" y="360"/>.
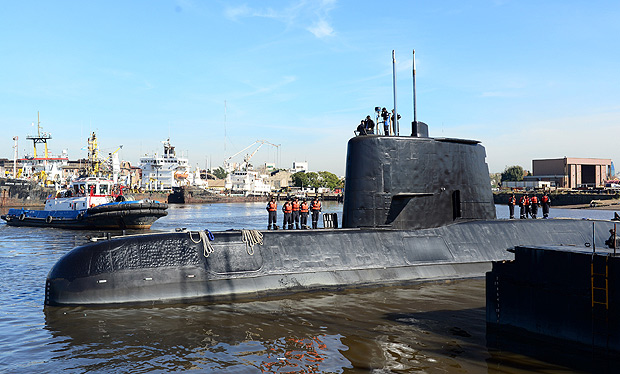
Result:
<point x="248" y="182"/>
<point x="162" y="172"/>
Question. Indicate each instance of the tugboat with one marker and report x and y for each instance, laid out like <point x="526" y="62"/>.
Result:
<point x="415" y="209"/>
<point x="90" y="203"/>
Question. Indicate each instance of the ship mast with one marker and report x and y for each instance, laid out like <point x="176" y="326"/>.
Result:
<point x="415" y="116"/>
<point x="93" y="156"/>
<point x="39" y="138"/>
<point x="395" y="114"/>
<point x="15" y="138"/>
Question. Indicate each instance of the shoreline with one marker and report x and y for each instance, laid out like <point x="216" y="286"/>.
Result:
<point x="611" y="207"/>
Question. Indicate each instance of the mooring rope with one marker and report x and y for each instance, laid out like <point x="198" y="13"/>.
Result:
<point x="205" y="237"/>
<point x="251" y="238"/>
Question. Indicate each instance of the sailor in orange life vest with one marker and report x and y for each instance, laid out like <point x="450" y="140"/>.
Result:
<point x="287" y="208"/>
<point x="523" y="202"/>
<point x="295" y="217"/>
<point x="546" y="202"/>
<point x="304" y="210"/>
<point x="528" y="209"/>
<point x="512" y="201"/>
<point x="272" y="209"/>
<point x="534" y="204"/>
<point x="316" y="209"/>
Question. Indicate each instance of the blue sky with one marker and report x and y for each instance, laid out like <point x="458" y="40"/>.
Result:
<point x="530" y="79"/>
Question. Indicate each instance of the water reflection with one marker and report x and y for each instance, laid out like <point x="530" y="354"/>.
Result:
<point x="249" y="337"/>
<point x="430" y="328"/>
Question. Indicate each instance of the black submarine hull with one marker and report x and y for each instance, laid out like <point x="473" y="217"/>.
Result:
<point x="137" y="215"/>
<point x="177" y="267"/>
<point x="415" y="209"/>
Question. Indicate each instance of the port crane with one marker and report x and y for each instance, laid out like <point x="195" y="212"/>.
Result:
<point x="228" y="167"/>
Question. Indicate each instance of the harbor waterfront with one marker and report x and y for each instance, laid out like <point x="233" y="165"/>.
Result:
<point x="432" y="327"/>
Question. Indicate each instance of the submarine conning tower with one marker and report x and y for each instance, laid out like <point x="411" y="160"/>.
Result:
<point x="403" y="182"/>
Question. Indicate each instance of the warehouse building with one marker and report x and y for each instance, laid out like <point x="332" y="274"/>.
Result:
<point x="571" y="172"/>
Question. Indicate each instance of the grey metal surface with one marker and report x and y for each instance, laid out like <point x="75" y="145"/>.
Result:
<point x="412" y="182"/>
<point x="171" y="267"/>
<point x="415" y="209"/>
<point x="548" y="292"/>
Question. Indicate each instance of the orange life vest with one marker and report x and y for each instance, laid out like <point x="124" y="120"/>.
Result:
<point x="287" y="208"/>
<point x="545" y="199"/>
<point x="272" y="206"/>
<point x="534" y="200"/>
<point x="316" y="205"/>
<point x="295" y="206"/>
<point x="304" y="208"/>
<point x="512" y="200"/>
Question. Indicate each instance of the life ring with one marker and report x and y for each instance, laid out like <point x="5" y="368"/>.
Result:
<point x="22" y="216"/>
<point x="49" y="219"/>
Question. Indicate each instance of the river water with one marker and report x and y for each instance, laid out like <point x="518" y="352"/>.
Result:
<point x="425" y="328"/>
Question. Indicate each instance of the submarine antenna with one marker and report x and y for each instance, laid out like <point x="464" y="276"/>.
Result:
<point x="415" y="117"/>
<point x="395" y="114"/>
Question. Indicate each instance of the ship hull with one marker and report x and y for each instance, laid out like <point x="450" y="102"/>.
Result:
<point x="114" y="216"/>
<point x="177" y="267"/>
<point x="22" y="193"/>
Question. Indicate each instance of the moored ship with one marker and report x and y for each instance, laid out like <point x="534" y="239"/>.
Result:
<point x="90" y="203"/>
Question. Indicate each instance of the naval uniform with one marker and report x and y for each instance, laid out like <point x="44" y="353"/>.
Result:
<point x="534" y="201"/>
<point x="272" y="209"/>
<point x="546" y="202"/>
<point x="304" y="211"/>
<point x="287" y="208"/>
<point x="316" y="209"/>
<point x="295" y="205"/>
<point x="512" y="201"/>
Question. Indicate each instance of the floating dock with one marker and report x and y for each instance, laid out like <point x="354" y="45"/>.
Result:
<point x="564" y="294"/>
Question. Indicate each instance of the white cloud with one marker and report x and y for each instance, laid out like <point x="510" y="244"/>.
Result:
<point x="238" y="12"/>
<point x="321" y="29"/>
<point x="311" y="15"/>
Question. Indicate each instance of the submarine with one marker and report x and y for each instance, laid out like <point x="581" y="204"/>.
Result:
<point x="415" y="209"/>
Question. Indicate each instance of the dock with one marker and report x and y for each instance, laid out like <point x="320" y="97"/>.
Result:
<point x="561" y="294"/>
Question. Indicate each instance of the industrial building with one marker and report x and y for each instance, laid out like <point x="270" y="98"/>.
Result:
<point x="571" y="172"/>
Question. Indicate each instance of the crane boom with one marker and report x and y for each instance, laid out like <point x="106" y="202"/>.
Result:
<point x="248" y="157"/>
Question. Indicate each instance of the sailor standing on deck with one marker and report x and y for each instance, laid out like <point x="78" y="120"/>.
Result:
<point x="295" y="218"/>
<point x="370" y="125"/>
<point x="272" y="209"/>
<point x="287" y="208"/>
<point x="546" y="202"/>
<point x="522" y="207"/>
<point x="512" y="201"/>
<point x="534" y="202"/>
<point x="527" y="206"/>
<point x="316" y="209"/>
<point x="304" y="210"/>
<point x="385" y="116"/>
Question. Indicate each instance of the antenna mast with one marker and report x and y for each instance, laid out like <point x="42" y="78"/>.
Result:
<point x="15" y="157"/>
<point x="395" y="114"/>
<point x="224" y="126"/>
<point x="415" y="117"/>
<point x="39" y="138"/>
